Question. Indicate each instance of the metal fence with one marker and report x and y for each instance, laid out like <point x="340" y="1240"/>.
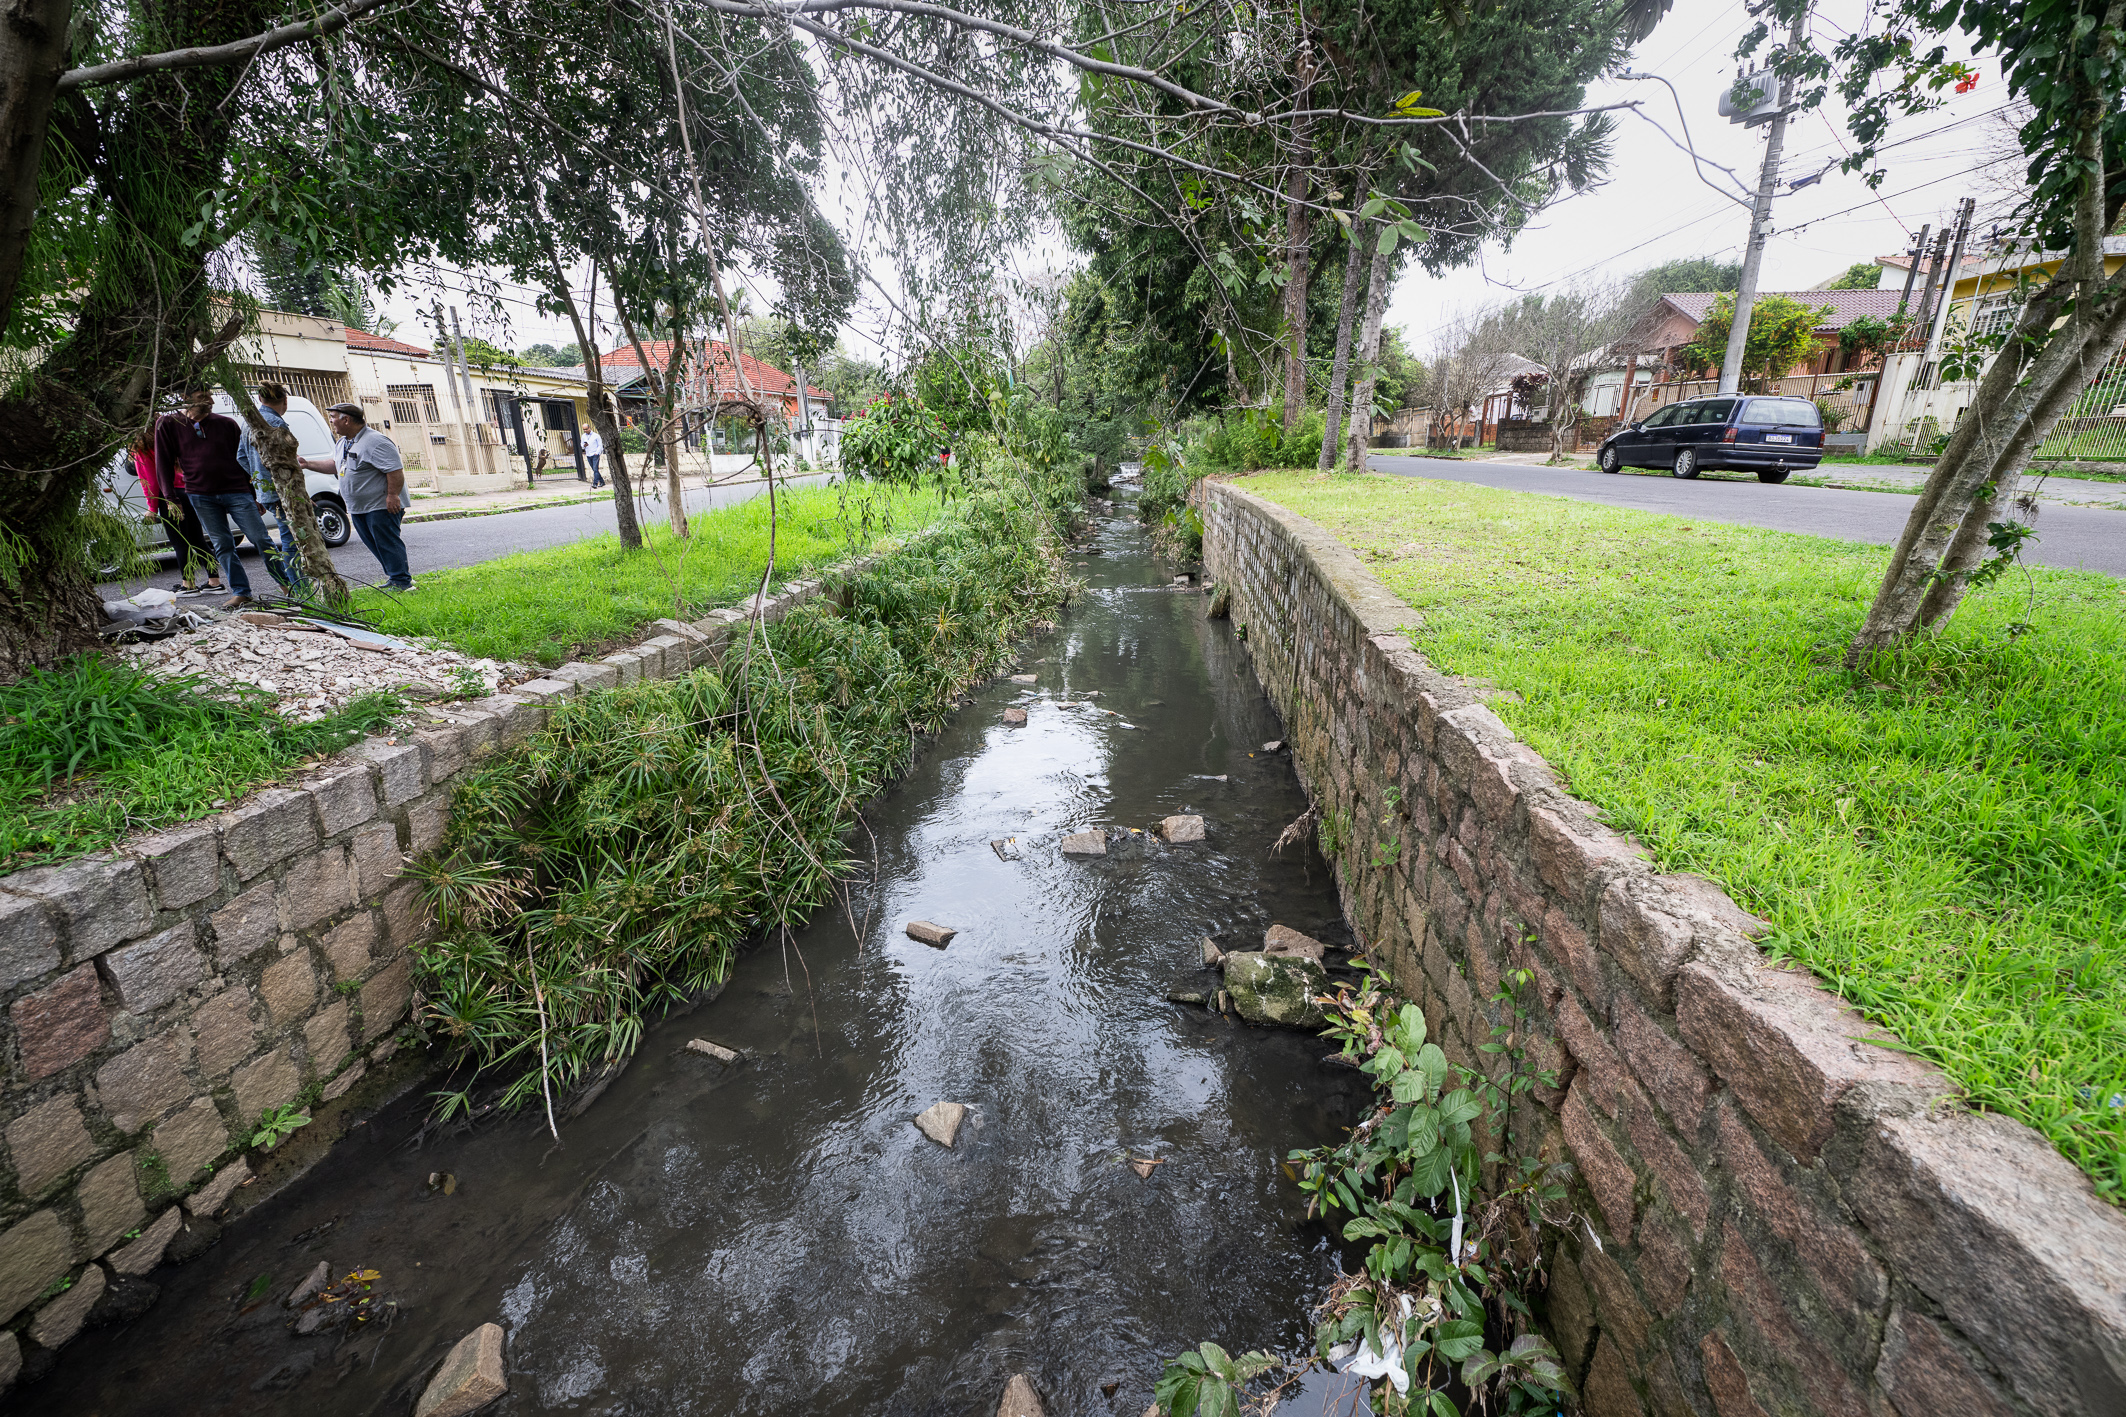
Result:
<point x="2095" y="427"/>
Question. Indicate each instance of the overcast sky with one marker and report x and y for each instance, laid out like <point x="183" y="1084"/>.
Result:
<point x="1653" y="207"/>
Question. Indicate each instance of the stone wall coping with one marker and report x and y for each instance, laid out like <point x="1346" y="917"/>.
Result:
<point x="1974" y="1217"/>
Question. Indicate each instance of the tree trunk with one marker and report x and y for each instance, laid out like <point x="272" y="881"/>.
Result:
<point x="1360" y="435"/>
<point x="1340" y="373"/>
<point x="1298" y="236"/>
<point x="32" y="57"/>
<point x="2019" y="400"/>
<point x="277" y="450"/>
<point x="594" y="386"/>
<point x="143" y="324"/>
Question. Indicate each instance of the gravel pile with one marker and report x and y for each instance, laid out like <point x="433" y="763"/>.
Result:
<point x="313" y="672"/>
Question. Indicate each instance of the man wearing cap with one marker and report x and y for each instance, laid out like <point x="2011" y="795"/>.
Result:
<point x="373" y="479"/>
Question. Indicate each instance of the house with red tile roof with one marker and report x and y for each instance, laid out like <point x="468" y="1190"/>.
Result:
<point x="707" y="377"/>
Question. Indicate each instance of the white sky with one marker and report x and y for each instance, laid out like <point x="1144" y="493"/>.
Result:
<point x="1652" y="208"/>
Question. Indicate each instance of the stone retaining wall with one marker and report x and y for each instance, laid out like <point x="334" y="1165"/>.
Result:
<point x="155" y="1000"/>
<point x="1779" y="1215"/>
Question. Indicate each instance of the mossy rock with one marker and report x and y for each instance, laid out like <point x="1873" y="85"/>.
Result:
<point x="1275" y="990"/>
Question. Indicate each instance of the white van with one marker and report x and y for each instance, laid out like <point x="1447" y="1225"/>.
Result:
<point x="123" y="493"/>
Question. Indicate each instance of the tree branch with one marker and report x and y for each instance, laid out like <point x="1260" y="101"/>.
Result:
<point x="235" y="52"/>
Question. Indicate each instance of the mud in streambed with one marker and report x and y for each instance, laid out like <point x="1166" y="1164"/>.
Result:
<point x="776" y="1236"/>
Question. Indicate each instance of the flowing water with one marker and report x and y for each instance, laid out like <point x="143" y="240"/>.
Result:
<point x="776" y="1236"/>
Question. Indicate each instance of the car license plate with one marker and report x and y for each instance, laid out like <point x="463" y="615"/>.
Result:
<point x="1778" y="437"/>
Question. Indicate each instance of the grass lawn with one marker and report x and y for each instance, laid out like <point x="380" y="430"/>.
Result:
<point x="95" y="750"/>
<point x="1943" y="842"/>
<point x="543" y="606"/>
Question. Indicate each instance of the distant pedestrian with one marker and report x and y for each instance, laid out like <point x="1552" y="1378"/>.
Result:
<point x="169" y="506"/>
<point x="593" y="449"/>
<point x="201" y="445"/>
<point x="272" y="407"/>
<point x="373" y="480"/>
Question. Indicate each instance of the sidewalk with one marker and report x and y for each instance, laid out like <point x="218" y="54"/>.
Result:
<point x="556" y="489"/>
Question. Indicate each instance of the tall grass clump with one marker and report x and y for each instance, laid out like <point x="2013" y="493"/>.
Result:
<point x="612" y="865"/>
<point x="97" y="748"/>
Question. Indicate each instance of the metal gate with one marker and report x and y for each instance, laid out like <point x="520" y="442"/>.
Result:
<point x="2094" y="427"/>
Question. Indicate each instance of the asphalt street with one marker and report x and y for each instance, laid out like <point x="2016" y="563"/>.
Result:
<point x="466" y="541"/>
<point x="2080" y="538"/>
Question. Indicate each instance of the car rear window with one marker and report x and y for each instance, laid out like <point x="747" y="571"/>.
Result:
<point x="1765" y="412"/>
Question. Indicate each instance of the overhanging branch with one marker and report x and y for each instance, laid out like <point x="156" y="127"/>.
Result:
<point x="234" y="52"/>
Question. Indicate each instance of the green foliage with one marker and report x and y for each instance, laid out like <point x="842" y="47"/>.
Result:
<point x="1861" y="275"/>
<point x="899" y="441"/>
<point x="612" y="864"/>
<point x="1208" y="1382"/>
<point x="1782" y="335"/>
<point x="96" y="748"/>
<point x="1872" y="335"/>
<point x="490" y="359"/>
<point x="1409" y="1179"/>
<point x="1941" y="839"/>
<point x="552" y="356"/>
<point x="275" y="1124"/>
<point x="1690" y="273"/>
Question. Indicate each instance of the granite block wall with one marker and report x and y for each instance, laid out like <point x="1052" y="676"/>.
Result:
<point x="1777" y="1214"/>
<point x="156" y="1000"/>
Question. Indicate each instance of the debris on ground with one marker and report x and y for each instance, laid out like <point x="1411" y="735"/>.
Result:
<point x="470" y="1378"/>
<point x="315" y="671"/>
<point x="352" y="1299"/>
<point x="1015" y="718"/>
<point x="941" y="1121"/>
<point x="929" y="934"/>
<point x="1184" y="828"/>
<point x="1283" y="942"/>
<point x="1025" y="678"/>
<point x="714" y="1050"/>
<point x="1143" y="1165"/>
<point x="1090" y="842"/>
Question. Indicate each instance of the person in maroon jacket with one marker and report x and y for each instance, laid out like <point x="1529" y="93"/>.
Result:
<point x="173" y="509"/>
<point x="201" y="445"/>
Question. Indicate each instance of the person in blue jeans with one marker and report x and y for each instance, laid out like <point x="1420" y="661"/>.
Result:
<point x="373" y="480"/>
<point x="202" y="443"/>
<point x="273" y="407"/>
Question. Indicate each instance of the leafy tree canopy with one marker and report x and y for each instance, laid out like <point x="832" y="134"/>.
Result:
<point x="1861" y="275"/>
<point x="1782" y="335"/>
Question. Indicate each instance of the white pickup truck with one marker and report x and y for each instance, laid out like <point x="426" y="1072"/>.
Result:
<point x="123" y="493"/>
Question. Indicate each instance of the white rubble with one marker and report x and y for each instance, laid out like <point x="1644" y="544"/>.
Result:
<point x="312" y="672"/>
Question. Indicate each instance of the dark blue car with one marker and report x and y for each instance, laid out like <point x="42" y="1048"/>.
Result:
<point x="1760" y="433"/>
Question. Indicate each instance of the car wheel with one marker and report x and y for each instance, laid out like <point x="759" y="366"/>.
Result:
<point x="1610" y="460"/>
<point x="1774" y="475"/>
<point x="1687" y="462"/>
<point x="332" y="522"/>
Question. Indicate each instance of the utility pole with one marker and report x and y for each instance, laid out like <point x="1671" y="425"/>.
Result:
<point x="1760" y="223"/>
<point x="450" y="382"/>
<point x="457" y="341"/>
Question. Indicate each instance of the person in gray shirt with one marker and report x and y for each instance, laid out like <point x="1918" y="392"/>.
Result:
<point x="373" y="479"/>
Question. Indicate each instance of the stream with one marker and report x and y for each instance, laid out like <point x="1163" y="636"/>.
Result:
<point x="776" y="1236"/>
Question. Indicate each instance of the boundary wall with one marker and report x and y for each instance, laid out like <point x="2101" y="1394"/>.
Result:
<point x="155" y="1000"/>
<point x="1777" y="1214"/>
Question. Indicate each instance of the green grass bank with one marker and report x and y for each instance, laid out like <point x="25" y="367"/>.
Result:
<point x="544" y="606"/>
<point x="1942" y="839"/>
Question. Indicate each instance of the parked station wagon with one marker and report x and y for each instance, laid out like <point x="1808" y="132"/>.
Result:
<point x="1764" y="434"/>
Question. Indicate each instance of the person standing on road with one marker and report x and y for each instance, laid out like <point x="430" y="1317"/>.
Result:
<point x="593" y="449"/>
<point x="170" y="506"/>
<point x="199" y="445"/>
<point x="273" y="407"/>
<point x="373" y="479"/>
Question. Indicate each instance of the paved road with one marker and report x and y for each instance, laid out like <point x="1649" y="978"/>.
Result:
<point x="465" y="541"/>
<point x="2080" y="538"/>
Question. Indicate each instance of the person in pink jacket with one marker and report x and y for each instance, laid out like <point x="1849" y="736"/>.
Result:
<point x="171" y="507"/>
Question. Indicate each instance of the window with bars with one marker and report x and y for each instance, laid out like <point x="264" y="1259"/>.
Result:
<point x="1994" y="317"/>
<point x="322" y="389"/>
<point x="414" y="403"/>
